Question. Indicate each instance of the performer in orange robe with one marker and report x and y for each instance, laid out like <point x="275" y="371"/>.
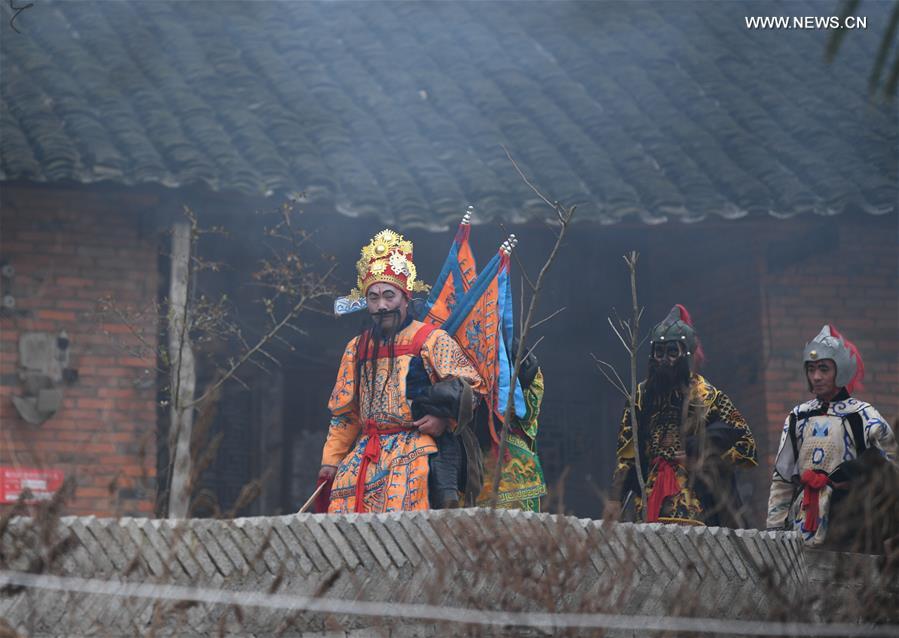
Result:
<point x="375" y="452"/>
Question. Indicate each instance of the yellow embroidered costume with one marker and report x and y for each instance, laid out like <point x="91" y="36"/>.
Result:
<point x="663" y="438"/>
<point x="688" y="445"/>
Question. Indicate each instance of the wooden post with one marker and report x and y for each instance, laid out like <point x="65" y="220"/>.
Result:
<point x="182" y="377"/>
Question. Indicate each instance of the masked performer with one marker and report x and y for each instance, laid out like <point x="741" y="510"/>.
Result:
<point x="690" y="437"/>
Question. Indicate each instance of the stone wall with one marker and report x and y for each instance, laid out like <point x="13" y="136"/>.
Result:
<point x="473" y="559"/>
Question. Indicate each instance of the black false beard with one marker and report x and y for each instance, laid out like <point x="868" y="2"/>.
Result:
<point x="373" y="342"/>
<point x="375" y="322"/>
<point x="663" y="379"/>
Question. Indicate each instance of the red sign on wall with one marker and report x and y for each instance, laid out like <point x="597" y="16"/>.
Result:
<point x="42" y="484"/>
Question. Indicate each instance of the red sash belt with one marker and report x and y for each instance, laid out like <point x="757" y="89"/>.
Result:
<point x="665" y="486"/>
<point x="371" y="454"/>
<point x="814" y="482"/>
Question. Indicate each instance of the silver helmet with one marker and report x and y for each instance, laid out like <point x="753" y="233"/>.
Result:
<point x="829" y="346"/>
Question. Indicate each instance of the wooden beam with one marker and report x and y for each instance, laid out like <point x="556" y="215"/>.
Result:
<point x="182" y="377"/>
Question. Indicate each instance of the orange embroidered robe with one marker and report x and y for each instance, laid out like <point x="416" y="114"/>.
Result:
<point x="398" y="481"/>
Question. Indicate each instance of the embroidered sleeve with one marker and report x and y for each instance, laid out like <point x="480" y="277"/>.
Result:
<point x="781" y="489"/>
<point x="625" y="464"/>
<point x="345" y="424"/>
<point x="743" y="451"/>
<point x="533" y="397"/>
<point x="880" y="435"/>
<point x="443" y="359"/>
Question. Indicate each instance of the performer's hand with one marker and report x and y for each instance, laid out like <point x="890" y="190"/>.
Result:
<point x="327" y="472"/>
<point x="680" y="457"/>
<point x="611" y="511"/>
<point x="433" y="425"/>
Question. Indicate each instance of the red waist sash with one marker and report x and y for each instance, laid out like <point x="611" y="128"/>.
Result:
<point x="372" y="453"/>
<point x="813" y="483"/>
<point x="664" y="486"/>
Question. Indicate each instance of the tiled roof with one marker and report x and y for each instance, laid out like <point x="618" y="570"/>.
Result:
<point x="659" y="110"/>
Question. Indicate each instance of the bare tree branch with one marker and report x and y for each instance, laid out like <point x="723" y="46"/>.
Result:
<point x="258" y="364"/>
<point x="524" y="273"/>
<point x="565" y="216"/>
<point x="554" y="205"/>
<point x="521" y="305"/>
<point x="288" y="317"/>
<point x="631" y="261"/>
<point x="533" y="347"/>
<point x="632" y="344"/>
<point x="240" y="382"/>
<point x="268" y="356"/>
<point x="617" y="382"/>
<point x="545" y="319"/>
<point x="618" y="334"/>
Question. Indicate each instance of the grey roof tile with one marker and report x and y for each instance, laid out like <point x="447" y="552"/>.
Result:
<point x="399" y="110"/>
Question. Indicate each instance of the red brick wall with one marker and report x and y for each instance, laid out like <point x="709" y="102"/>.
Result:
<point x="854" y="286"/>
<point x="69" y="249"/>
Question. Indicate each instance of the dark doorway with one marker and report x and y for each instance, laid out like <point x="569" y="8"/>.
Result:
<point x="307" y="387"/>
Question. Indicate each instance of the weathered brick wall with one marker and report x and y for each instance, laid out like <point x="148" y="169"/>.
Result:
<point x="71" y="248"/>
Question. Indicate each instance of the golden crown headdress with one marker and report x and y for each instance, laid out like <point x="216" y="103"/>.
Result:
<point x="387" y="259"/>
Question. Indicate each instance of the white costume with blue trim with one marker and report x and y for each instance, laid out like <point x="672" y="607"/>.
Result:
<point x="824" y="440"/>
